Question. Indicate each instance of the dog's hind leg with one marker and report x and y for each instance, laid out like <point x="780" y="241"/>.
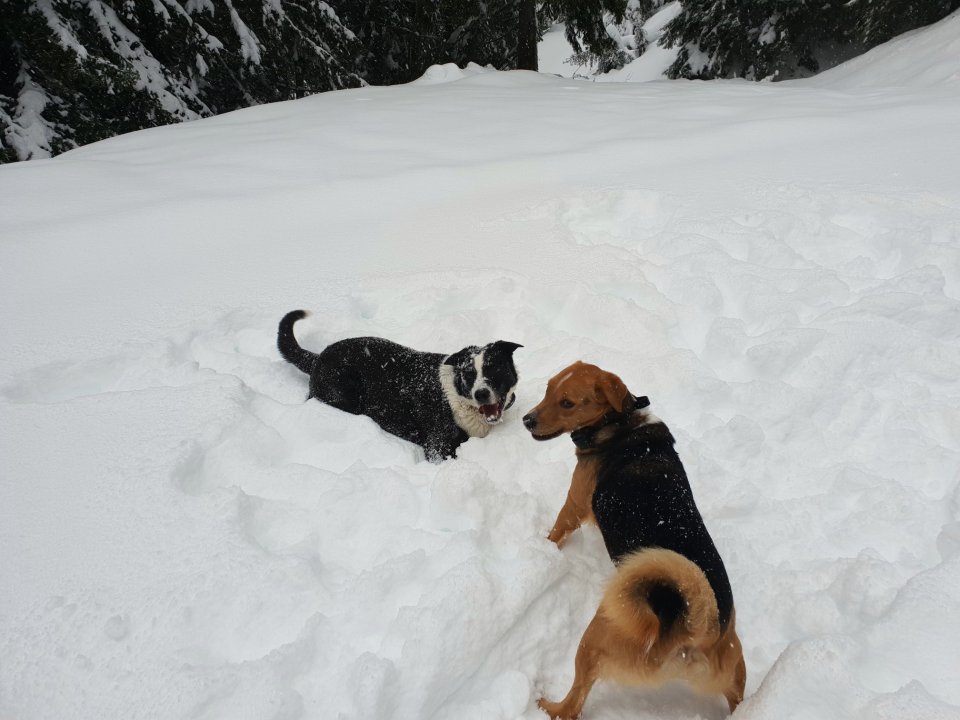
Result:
<point x="734" y="694"/>
<point x="586" y="672"/>
<point x="337" y="386"/>
<point x="737" y="668"/>
<point x="728" y="672"/>
<point x="578" y="507"/>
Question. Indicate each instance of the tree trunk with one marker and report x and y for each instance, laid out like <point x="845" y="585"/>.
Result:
<point x="527" y="36"/>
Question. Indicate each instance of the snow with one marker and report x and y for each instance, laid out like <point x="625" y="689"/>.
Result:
<point x="554" y="51"/>
<point x="777" y="266"/>
<point x="449" y="72"/>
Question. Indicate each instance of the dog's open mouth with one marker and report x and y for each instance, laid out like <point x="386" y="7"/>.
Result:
<point x="492" y="413"/>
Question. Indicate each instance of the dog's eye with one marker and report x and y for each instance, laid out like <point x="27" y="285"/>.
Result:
<point x="566" y="404"/>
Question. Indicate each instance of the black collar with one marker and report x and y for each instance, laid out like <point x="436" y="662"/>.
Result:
<point x="586" y="437"/>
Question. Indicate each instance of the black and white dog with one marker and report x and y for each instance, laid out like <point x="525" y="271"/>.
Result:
<point x="434" y="400"/>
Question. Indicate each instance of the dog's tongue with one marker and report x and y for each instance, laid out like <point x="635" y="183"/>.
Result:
<point x="492" y="412"/>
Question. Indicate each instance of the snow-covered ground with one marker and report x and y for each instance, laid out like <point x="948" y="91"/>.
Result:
<point x="776" y="265"/>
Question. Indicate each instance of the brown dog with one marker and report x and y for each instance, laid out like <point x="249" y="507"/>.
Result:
<point x="668" y="611"/>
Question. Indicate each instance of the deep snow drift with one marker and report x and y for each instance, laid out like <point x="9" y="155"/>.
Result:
<point x="776" y="266"/>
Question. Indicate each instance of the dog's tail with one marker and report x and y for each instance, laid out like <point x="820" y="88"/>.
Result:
<point x="659" y="596"/>
<point x="288" y="346"/>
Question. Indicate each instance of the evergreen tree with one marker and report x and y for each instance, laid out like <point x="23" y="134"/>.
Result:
<point x="485" y="33"/>
<point x="638" y="12"/>
<point x="402" y="38"/>
<point x="753" y="39"/>
<point x="65" y="80"/>
<point x="589" y="28"/>
<point x="779" y="39"/>
<point x="528" y="34"/>
<point x="273" y="50"/>
<point x="879" y="20"/>
<point x="76" y="71"/>
<point x="398" y="39"/>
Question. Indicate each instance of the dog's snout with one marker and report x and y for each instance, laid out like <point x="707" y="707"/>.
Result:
<point x="530" y="421"/>
<point x="482" y="395"/>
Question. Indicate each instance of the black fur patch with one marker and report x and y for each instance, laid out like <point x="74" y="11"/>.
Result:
<point x="667" y="604"/>
<point x="498" y="370"/>
<point x="643" y="499"/>
<point x="464" y="370"/>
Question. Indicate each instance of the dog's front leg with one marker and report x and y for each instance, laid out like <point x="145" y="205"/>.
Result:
<point x="437" y="453"/>
<point x="441" y="444"/>
<point x="567" y="521"/>
<point x="578" y="507"/>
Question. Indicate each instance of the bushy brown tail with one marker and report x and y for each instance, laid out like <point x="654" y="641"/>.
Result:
<point x="658" y="594"/>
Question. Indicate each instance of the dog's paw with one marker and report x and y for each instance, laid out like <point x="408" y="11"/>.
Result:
<point x="558" y="537"/>
<point x="556" y="711"/>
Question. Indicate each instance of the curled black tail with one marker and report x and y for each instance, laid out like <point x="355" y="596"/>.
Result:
<point x="288" y="346"/>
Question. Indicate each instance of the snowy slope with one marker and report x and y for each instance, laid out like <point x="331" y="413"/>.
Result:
<point x="926" y="57"/>
<point x="777" y="266"/>
<point x="553" y="52"/>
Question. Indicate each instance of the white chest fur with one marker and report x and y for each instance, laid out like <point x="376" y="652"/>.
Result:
<point x="464" y="412"/>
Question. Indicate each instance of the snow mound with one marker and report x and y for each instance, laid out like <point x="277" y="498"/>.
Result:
<point x="448" y="73"/>
<point x="919" y="58"/>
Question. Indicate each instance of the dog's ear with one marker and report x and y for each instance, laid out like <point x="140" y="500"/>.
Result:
<point x="505" y="346"/>
<point x="458" y="358"/>
<point x="611" y="389"/>
<point x="464" y="374"/>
